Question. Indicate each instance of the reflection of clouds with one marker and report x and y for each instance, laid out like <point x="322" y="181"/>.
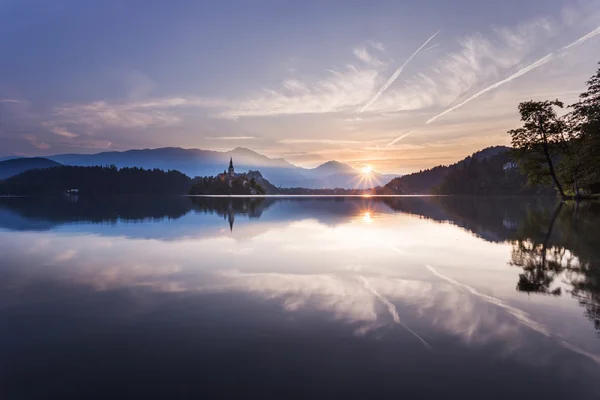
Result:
<point x="392" y="310"/>
<point x="520" y="315"/>
<point x="65" y="256"/>
<point x="305" y="266"/>
<point x="344" y="297"/>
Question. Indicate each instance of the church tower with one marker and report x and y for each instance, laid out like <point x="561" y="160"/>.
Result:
<point x="230" y="171"/>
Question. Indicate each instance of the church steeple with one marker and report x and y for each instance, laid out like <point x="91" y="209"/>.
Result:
<point x="230" y="171"/>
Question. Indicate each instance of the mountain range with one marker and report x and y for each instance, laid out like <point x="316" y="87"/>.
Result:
<point x="197" y="162"/>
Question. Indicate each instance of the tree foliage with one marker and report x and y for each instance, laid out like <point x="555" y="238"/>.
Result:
<point x="96" y="180"/>
<point x="487" y="176"/>
<point x="218" y="185"/>
<point x="584" y="120"/>
<point x="538" y="141"/>
<point x="565" y="149"/>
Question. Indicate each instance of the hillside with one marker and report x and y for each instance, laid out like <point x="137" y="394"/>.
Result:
<point x="16" y="166"/>
<point x="426" y="181"/>
<point x="487" y="176"/>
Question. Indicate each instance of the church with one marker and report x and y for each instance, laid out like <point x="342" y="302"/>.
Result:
<point x="231" y="171"/>
<point x="228" y="175"/>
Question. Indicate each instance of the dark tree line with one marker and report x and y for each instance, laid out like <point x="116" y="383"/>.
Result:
<point x="487" y="176"/>
<point x="96" y="181"/>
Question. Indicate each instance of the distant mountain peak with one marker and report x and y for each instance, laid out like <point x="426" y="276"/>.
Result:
<point x="334" y="166"/>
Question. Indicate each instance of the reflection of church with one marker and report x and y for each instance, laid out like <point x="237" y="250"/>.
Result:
<point x="230" y="212"/>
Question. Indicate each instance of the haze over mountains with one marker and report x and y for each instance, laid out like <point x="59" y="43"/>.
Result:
<point x="197" y="162"/>
<point x="15" y="166"/>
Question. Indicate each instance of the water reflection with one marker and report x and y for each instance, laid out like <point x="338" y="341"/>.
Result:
<point x="384" y="293"/>
<point x="559" y="251"/>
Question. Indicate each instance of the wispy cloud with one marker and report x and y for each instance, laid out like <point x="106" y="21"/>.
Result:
<point x="363" y="55"/>
<point x="59" y="130"/>
<point x="138" y="114"/>
<point x="231" y="137"/>
<point x="389" y="82"/>
<point x="519" y="73"/>
<point x="318" y="141"/>
<point x="377" y="45"/>
<point x="339" y="91"/>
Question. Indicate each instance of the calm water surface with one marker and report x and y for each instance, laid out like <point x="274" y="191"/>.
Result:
<point x="299" y="298"/>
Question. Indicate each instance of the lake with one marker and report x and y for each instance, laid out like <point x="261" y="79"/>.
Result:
<point x="345" y="297"/>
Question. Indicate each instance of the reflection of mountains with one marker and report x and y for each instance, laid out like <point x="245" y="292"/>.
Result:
<point x="493" y="219"/>
<point x="556" y="246"/>
<point x="31" y="213"/>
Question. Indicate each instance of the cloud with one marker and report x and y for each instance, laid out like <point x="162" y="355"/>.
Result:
<point x="139" y="114"/>
<point x="389" y="82"/>
<point x="519" y="73"/>
<point x="318" y="141"/>
<point x="59" y="130"/>
<point x="35" y="142"/>
<point x="377" y="45"/>
<point x="339" y="91"/>
<point x="230" y="137"/>
<point x="392" y="310"/>
<point x="363" y="55"/>
<point x="478" y="60"/>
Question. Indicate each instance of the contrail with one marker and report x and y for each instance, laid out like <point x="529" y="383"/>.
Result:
<point x="395" y="75"/>
<point x="399" y="138"/>
<point x="392" y="310"/>
<point x="582" y="39"/>
<point x="519" y="73"/>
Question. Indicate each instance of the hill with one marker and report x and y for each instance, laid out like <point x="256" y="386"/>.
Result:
<point x="16" y="166"/>
<point x="426" y="181"/>
<point x="197" y="162"/>
<point x="496" y="175"/>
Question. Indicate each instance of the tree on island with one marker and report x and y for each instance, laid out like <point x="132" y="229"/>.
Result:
<point x="223" y="185"/>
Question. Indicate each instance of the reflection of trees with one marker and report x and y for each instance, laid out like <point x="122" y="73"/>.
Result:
<point x="561" y="245"/>
<point x="229" y="207"/>
<point x="97" y="209"/>
<point x="57" y="210"/>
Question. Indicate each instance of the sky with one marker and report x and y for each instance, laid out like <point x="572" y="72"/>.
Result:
<point x="397" y="85"/>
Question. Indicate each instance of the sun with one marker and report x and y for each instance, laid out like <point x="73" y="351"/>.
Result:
<point x="367" y="169"/>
